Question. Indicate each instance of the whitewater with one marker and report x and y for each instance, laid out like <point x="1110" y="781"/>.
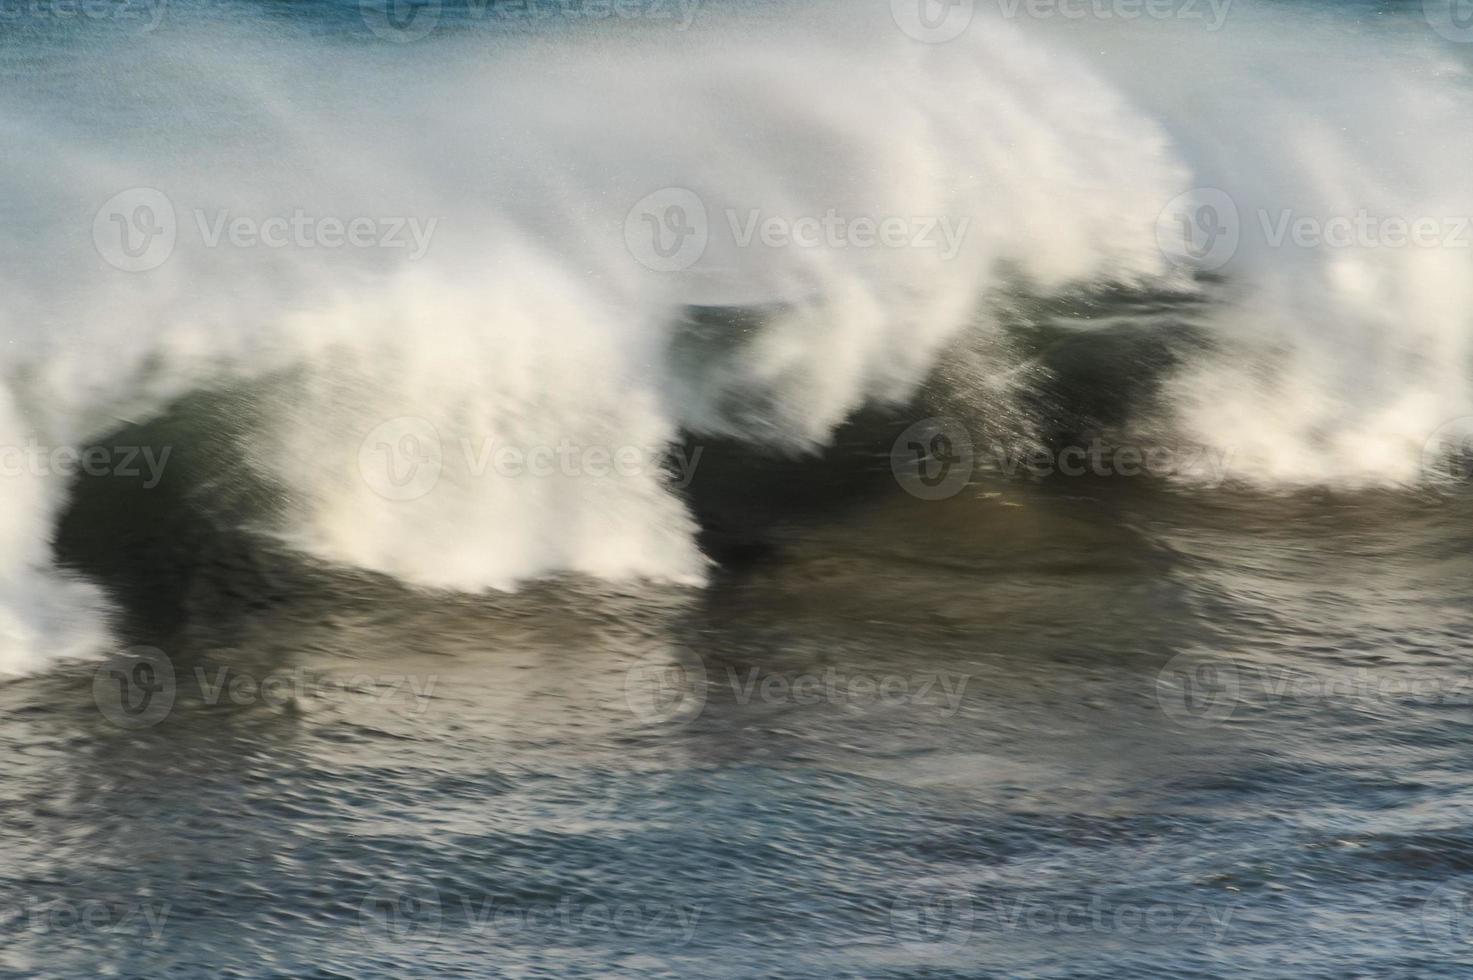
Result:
<point x="500" y="246"/>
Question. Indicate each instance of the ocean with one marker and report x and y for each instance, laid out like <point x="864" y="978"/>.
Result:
<point x="679" y="488"/>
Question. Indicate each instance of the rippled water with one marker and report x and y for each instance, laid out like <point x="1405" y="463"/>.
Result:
<point x="913" y="738"/>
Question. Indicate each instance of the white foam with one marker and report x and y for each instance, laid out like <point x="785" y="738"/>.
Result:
<point x="530" y="322"/>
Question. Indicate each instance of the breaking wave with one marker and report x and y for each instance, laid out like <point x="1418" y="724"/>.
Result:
<point x="419" y="267"/>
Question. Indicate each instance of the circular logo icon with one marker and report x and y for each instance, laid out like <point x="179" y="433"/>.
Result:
<point x="135" y="687"/>
<point x="135" y="231"/>
<point x="1197" y="691"/>
<point x="666" y="688"/>
<point x="1447" y="915"/>
<point x="933" y="459"/>
<point x="1199" y="229"/>
<point x="142" y="16"/>
<point x="933" y="21"/>
<point x="402" y="458"/>
<point x="667" y="231"/>
<point x="400" y="912"/>
<point x="400" y="21"/>
<point x="1451" y="19"/>
<point x="932" y="919"/>
<point x="1447" y="456"/>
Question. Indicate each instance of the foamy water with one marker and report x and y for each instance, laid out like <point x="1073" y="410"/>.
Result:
<point x="523" y="280"/>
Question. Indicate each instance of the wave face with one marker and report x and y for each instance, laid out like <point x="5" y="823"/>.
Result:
<point x="539" y="213"/>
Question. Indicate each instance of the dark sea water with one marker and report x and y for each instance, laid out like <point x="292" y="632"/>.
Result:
<point x="986" y="682"/>
<point x="925" y="739"/>
<point x="1063" y="727"/>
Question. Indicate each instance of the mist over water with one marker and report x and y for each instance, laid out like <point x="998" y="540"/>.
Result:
<point x="513" y="307"/>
